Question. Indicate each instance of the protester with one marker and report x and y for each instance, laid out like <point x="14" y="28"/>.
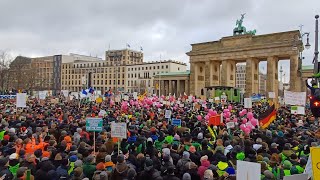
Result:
<point x="48" y="140"/>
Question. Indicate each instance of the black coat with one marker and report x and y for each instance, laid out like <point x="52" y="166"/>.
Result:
<point x="5" y="170"/>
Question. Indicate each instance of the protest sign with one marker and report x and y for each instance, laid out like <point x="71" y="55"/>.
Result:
<point x="65" y="93"/>
<point x="135" y="95"/>
<point x="297" y="110"/>
<point x="119" y="130"/>
<point x="21" y="100"/>
<point x="315" y="159"/>
<point x="94" y="124"/>
<point x="248" y="170"/>
<point x="247" y="103"/>
<point x="271" y="95"/>
<point x="296" y="177"/>
<point x="42" y="95"/>
<point x="230" y="125"/>
<point x="176" y="122"/>
<point x="168" y="114"/>
<point x="126" y="98"/>
<point x="295" y="98"/>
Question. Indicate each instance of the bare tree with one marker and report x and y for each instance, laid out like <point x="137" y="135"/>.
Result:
<point x="5" y="60"/>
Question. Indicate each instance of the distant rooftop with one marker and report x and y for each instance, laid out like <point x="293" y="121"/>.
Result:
<point x="174" y="73"/>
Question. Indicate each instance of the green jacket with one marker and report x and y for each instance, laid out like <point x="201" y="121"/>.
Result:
<point x="14" y="169"/>
<point x="88" y="170"/>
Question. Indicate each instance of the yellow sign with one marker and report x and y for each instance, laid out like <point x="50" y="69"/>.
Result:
<point x="315" y="160"/>
<point x="157" y="86"/>
<point x="99" y="100"/>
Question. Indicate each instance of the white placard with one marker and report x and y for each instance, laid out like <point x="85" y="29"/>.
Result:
<point x="102" y="113"/>
<point x="42" y="95"/>
<point x="167" y="114"/>
<point x="119" y="130"/>
<point x="217" y="98"/>
<point x="75" y="94"/>
<point x="21" y="100"/>
<point x="181" y="105"/>
<point x="298" y="110"/>
<point x="211" y="100"/>
<point x="296" y="177"/>
<point x="135" y="95"/>
<point x="178" y="102"/>
<point x="271" y="95"/>
<point x="126" y="98"/>
<point x="295" y="98"/>
<point x="65" y="93"/>
<point x="117" y="99"/>
<point x="247" y="103"/>
<point x="230" y="125"/>
<point x="190" y="98"/>
<point x="248" y="170"/>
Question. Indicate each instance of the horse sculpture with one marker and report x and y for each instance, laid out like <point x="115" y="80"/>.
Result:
<point x="239" y="29"/>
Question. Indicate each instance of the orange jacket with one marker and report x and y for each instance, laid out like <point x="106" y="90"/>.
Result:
<point x="32" y="146"/>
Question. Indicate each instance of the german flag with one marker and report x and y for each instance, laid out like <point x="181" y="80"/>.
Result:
<point x="266" y="118"/>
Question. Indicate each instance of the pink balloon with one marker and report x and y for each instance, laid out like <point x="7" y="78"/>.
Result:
<point x="235" y="120"/>
<point x="244" y="120"/>
<point x="214" y="113"/>
<point x="230" y="107"/>
<point x="175" y="108"/>
<point x="210" y="111"/>
<point x="241" y="113"/>
<point x="206" y="117"/>
<point x="162" y="97"/>
<point x="245" y="111"/>
<point x="242" y="127"/>
<point x="254" y="122"/>
<point x="247" y="131"/>
<point x="199" y="117"/>
<point x="226" y="110"/>
<point x="226" y="115"/>
<point x="159" y="105"/>
<point x="249" y="125"/>
<point x="227" y="119"/>
<point x="250" y="115"/>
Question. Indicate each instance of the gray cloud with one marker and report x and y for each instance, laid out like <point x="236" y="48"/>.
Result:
<point x="166" y="27"/>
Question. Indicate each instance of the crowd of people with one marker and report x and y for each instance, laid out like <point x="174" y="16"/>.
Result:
<point x="49" y="141"/>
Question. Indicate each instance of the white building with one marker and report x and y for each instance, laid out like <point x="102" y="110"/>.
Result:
<point x="140" y="76"/>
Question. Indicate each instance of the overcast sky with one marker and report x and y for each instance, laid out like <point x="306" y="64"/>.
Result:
<point x="166" y="27"/>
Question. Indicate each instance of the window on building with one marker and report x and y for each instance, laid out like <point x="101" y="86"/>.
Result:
<point x="114" y="82"/>
<point x="123" y="76"/>
<point x="118" y="82"/>
<point x="106" y="82"/>
<point x="158" y="67"/>
<point x="142" y="68"/>
<point x="110" y="82"/>
<point x="122" y="82"/>
<point x="167" y="66"/>
<point x="135" y="75"/>
<point x="94" y="81"/>
<point x="128" y="75"/>
<point x="128" y="83"/>
<point x="154" y="67"/>
<point x="178" y="69"/>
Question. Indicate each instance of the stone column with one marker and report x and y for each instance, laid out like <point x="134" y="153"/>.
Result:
<point x="207" y="74"/>
<point x="215" y="73"/>
<point x="193" y="77"/>
<point x="163" y="87"/>
<point x="228" y="73"/>
<point x="170" y="87"/>
<point x="252" y="77"/>
<point x="187" y="87"/>
<point x="178" y="88"/>
<point x="295" y="80"/>
<point x="272" y="77"/>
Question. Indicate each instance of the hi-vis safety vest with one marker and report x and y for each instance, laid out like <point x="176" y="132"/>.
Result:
<point x="287" y="172"/>
<point x="222" y="167"/>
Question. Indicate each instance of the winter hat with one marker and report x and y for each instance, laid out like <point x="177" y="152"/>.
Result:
<point x="78" y="163"/>
<point x="176" y="137"/>
<point x="240" y="156"/>
<point x="100" y="166"/>
<point x="120" y="158"/>
<point x="204" y="158"/>
<point x="166" y="151"/>
<point x="78" y="172"/>
<point x="89" y="159"/>
<point x="186" y="176"/>
<point x="186" y="154"/>
<point x="268" y="174"/>
<point x="3" y="161"/>
<point x="231" y="171"/>
<point x="73" y="158"/>
<point x="131" y="173"/>
<point x="13" y="156"/>
<point x="192" y="149"/>
<point x="58" y="157"/>
<point x="149" y="139"/>
<point x="208" y="175"/>
<point x="280" y="134"/>
<point x="12" y="130"/>
<point x="269" y="133"/>
<point x="287" y="164"/>
<point x="107" y="158"/>
<point x="200" y="136"/>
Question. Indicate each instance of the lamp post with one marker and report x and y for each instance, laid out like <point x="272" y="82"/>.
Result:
<point x="316" y="51"/>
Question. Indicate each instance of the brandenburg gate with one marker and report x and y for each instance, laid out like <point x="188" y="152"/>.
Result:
<point x="214" y="63"/>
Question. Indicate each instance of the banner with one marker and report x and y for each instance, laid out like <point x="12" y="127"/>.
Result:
<point x="256" y="98"/>
<point x="248" y="170"/>
<point x="167" y="114"/>
<point x="42" y="95"/>
<point x="21" y="99"/>
<point x="8" y="96"/>
<point x="295" y="98"/>
<point x="119" y="130"/>
<point x="297" y="110"/>
<point x="94" y="124"/>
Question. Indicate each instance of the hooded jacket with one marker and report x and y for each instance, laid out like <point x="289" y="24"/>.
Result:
<point x="204" y="166"/>
<point x="120" y="171"/>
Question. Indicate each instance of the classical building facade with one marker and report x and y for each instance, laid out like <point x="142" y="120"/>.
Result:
<point x="123" y="70"/>
<point x="207" y="58"/>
